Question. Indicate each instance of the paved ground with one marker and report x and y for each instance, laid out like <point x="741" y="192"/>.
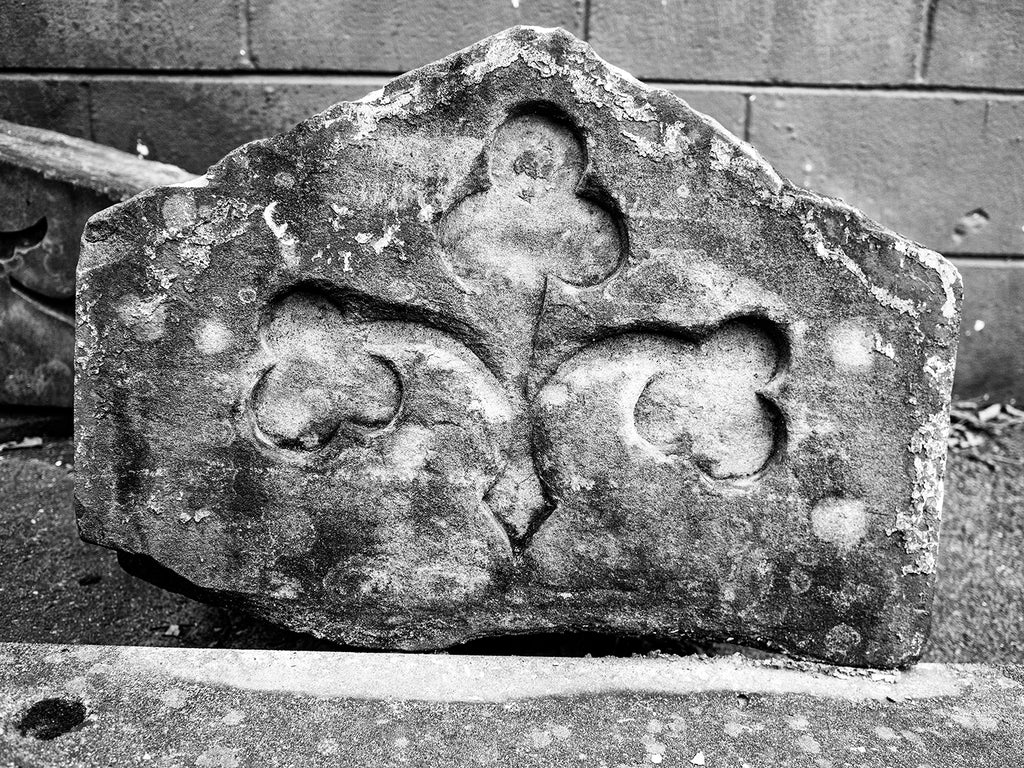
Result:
<point x="86" y="706"/>
<point x="56" y="589"/>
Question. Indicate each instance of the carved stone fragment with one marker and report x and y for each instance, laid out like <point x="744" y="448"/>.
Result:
<point x="518" y="345"/>
<point x="50" y="184"/>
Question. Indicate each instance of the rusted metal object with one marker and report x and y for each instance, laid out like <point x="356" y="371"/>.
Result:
<point x="50" y="184"/>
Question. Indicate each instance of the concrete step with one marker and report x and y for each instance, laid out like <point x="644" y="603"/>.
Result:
<point x="126" y="706"/>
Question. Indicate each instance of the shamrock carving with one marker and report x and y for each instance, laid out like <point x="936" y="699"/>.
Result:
<point x="531" y="222"/>
<point x="338" y="376"/>
<point x="412" y="431"/>
<point x="325" y="378"/>
<point x="638" y="432"/>
<point x="345" y="379"/>
<point x="659" y="397"/>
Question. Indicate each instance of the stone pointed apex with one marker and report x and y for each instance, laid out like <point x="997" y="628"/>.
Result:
<point x="516" y="345"/>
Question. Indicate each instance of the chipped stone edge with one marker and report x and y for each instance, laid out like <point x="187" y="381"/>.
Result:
<point x="948" y="276"/>
<point x="917" y="526"/>
<point x="504" y="49"/>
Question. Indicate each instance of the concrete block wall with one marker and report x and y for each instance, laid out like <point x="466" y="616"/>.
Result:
<point x="912" y="110"/>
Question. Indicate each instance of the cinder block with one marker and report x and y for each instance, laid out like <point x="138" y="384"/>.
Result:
<point x="979" y="43"/>
<point x="947" y="171"/>
<point x="58" y="104"/>
<point x="171" y="34"/>
<point x="193" y="122"/>
<point x="990" y="361"/>
<point x="369" y="36"/>
<point x="832" y="41"/>
<point x="726" y="105"/>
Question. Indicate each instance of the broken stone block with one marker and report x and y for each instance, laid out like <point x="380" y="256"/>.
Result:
<point x="50" y="184"/>
<point x="519" y="345"/>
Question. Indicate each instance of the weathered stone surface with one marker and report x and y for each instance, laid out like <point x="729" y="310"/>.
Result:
<point x="519" y="344"/>
<point x="194" y="121"/>
<point x="63" y="590"/>
<point x="50" y="184"/>
<point x="80" y="707"/>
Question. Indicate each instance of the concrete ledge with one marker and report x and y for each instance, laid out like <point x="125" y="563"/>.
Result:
<point x="131" y="706"/>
